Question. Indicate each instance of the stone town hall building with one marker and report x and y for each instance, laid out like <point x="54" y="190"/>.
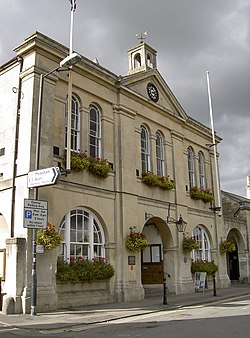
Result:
<point x="138" y="125"/>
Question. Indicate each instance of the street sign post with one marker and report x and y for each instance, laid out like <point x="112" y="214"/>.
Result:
<point x="43" y="177"/>
<point x="35" y="214"/>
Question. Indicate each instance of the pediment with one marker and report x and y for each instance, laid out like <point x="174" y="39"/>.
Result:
<point x="138" y="83"/>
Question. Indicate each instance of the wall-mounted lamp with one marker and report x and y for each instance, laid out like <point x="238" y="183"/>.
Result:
<point x="243" y="205"/>
<point x="180" y="224"/>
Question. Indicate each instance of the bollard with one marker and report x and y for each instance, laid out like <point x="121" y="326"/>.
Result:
<point x="164" y="291"/>
<point x="214" y="285"/>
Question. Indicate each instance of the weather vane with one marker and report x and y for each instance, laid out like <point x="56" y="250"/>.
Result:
<point x="141" y="37"/>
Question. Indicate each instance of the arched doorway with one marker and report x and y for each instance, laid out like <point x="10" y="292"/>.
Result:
<point x="233" y="261"/>
<point x="154" y="262"/>
<point x="235" y="271"/>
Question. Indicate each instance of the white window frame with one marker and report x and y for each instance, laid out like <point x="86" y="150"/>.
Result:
<point x="202" y="172"/>
<point x="83" y="235"/>
<point x="204" y="252"/>
<point x="94" y="133"/>
<point x="145" y="150"/>
<point x="191" y="167"/>
<point x="75" y="124"/>
<point x="160" y="162"/>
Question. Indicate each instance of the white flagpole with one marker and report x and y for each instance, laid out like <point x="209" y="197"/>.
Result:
<point x="214" y="144"/>
<point x="68" y="159"/>
<point x="71" y="31"/>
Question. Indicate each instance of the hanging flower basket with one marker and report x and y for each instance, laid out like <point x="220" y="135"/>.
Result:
<point x="49" y="237"/>
<point x="227" y="245"/>
<point x="204" y="266"/>
<point x="153" y="180"/>
<point x="136" y="241"/>
<point x="189" y="244"/>
<point x="201" y="194"/>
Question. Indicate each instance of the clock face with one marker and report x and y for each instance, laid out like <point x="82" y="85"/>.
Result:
<point x="152" y="92"/>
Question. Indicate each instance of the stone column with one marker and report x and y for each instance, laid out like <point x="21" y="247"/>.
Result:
<point x="15" y="273"/>
<point x="46" y="280"/>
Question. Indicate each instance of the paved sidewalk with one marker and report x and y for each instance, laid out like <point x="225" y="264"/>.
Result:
<point x="108" y="312"/>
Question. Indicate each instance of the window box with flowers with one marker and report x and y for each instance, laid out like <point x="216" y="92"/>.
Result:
<point x="189" y="244"/>
<point x="201" y="194"/>
<point x="153" y="180"/>
<point x="81" y="270"/>
<point x="49" y="237"/>
<point x="136" y="241"/>
<point x="227" y="245"/>
<point x="96" y="166"/>
<point x="203" y="266"/>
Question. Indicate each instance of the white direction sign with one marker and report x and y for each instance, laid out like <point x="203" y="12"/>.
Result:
<point x="43" y="177"/>
<point x="35" y="214"/>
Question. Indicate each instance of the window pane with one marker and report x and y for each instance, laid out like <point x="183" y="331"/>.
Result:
<point x="146" y="255"/>
<point x="86" y="238"/>
<point x="75" y="131"/>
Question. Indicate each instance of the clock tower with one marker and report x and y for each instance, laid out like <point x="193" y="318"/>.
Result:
<point x="141" y="58"/>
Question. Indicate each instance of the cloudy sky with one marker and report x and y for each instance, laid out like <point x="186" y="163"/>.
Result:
<point x="191" y="37"/>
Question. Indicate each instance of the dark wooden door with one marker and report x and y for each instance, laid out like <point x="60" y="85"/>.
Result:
<point x="152" y="265"/>
<point x="234" y="265"/>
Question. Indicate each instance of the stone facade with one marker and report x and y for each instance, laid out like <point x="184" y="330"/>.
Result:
<point x="121" y="200"/>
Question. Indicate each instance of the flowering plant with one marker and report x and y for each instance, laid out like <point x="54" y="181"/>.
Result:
<point x="136" y="241"/>
<point x="49" y="237"/>
<point x="81" y="270"/>
<point x="99" y="167"/>
<point x="189" y="244"/>
<point x="203" y="266"/>
<point x="159" y="181"/>
<point x="95" y="165"/>
<point x="227" y="245"/>
<point x="79" y="161"/>
<point x="201" y="194"/>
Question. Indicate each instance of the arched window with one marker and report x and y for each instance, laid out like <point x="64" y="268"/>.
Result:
<point x="191" y="167"/>
<point x="149" y="61"/>
<point x="75" y="124"/>
<point x="160" y="154"/>
<point x="203" y="253"/>
<point x="137" y="60"/>
<point x="83" y="235"/>
<point x="145" y="150"/>
<point x="202" y="170"/>
<point x="94" y="131"/>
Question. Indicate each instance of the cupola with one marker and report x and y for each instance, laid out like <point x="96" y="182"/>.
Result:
<point x="141" y="58"/>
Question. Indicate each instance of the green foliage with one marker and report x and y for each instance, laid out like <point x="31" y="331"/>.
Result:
<point x="153" y="180"/>
<point x="136" y="241"/>
<point x="228" y="245"/>
<point x="99" y="167"/>
<point x="49" y="237"/>
<point x="201" y="194"/>
<point x="203" y="266"/>
<point x="79" y="161"/>
<point x="80" y="270"/>
<point x="190" y="244"/>
<point x="96" y="166"/>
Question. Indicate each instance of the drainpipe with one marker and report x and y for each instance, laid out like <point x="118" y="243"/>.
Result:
<point x="19" y="97"/>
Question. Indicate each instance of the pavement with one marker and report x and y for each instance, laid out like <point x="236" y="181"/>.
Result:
<point x="104" y="313"/>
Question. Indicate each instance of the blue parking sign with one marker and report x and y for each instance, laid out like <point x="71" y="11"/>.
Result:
<point x="28" y="214"/>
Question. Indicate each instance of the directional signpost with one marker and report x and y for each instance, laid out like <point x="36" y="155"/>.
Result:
<point x="43" y="177"/>
<point x="35" y="214"/>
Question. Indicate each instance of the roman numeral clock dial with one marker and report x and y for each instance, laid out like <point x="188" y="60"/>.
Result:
<point x="152" y="92"/>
